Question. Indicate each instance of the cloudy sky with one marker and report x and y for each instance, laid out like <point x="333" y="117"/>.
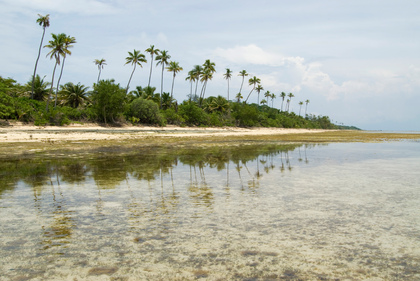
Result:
<point x="358" y="62"/>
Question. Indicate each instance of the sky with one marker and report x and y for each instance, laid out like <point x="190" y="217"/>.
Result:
<point x="356" y="61"/>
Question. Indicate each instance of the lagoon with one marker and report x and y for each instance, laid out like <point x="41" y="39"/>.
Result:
<point x="243" y="211"/>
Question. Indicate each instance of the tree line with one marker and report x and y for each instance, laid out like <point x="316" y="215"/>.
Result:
<point x="40" y="102"/>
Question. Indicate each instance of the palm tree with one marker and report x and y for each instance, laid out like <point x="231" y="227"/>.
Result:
<point x="68" y="41"/>
<point x="263" y="101"/>
<point x="100" y="63"/>
<point x="43" y="21"/>
<point x="152" y="51"/>
<point x="290" y="95"/>
<point x="306" y="107"/>
<point x="259" y="88"/>
<point x="272" y="96"/>
<point x="135" y="58"/>
<point x="197" y="71"/>
<point x="253" y="81"/>
<point x="74" y="95"/>
<point x="163" y="59"/>
<point x="57" y="50"/>
<point x="239" y="97"/>
<point x="207" y="74"/>
<point x="38" y="88"/>
<point x="282" y="95"/>
<point x="175" y="68"/>
<point x="300" y="106"/>
<point x="190" y="78"/>
<point x="267" y="95"/>
<point x="243" y="74"/>
<point x="227" y="76"/>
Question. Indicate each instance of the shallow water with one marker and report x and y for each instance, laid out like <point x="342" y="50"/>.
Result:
<point x="260" y="211"/>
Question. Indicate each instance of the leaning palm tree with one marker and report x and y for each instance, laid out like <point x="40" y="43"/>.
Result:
<point x="290" y="95"/>
<point x="43" y="21"/>
<point x="100" y="63"/>
<point x="175" y="68"/>
<point x="57" y="50"/>
<point x="259" y="88"/>
<point x="163" y="59"/>
<point x="152" y="51"/>
<point x="243" y="74"/>
<point x="306" y="107"/>
<point x="135" y="58"/>
<point x="227" y="76"/>
<point x="68" y="41"/>
<point x="253" y="81"/>
<point x="74" y="95"/>
<point x="282" y="95"/>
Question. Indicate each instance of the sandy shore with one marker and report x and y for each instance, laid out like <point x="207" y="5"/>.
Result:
<point x="18" y="133"/>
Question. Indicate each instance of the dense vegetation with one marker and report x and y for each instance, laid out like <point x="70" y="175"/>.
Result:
<point x="38" y="101"/>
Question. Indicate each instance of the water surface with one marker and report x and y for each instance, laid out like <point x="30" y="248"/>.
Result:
<point x="255" y="211"/>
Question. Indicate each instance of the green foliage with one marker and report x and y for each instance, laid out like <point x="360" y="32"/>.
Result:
<point x="192" y="114"/>
<point x="172" y="117"/>
<point x="146" y="111"/>
<point x="108" y="101"/>
<point x="245" y="115"/>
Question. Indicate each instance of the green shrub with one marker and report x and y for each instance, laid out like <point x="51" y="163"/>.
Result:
<point x="146" y="111"/>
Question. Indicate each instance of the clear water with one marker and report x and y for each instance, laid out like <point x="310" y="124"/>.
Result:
<point x="241" y="212"/>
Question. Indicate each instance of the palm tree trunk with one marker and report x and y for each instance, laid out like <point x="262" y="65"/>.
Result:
<point x="172" y="90"/>
<point x="126" y="91"/>
<point x="243" y="77"/>
<point x="52" y="84"/>
<point x="36" y="65"/>
<point x="58" y="82"/>
<point x="99" y="75"/>
<point x="161" y="85"/>
<point x="150" y="75"/>
<point x="249" y="95"/>
<point x="228" y="90"/>
<point x="282" y="105"/>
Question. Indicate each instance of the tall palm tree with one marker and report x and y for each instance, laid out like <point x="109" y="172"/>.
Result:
<point x="243" y="74"/>
<point x="74" y="95"/>
<point x="290" y="95"/>
<point x="100" y="63"/>
<point x="152" y="51"/>
<point x="300" y="106"/>
<point x="43" y="21"/>
<point x="163" y="59"/>
<point x="68" y="41"/>
<point x="135" y="58"/>
<point x="190" y="78"/>
<point x="282" y="95"/>
<point x="306" y="107"/>
<point x="175" y="68"/>
<point x="267" y="95"/>
<point x="227" y="76"/>
<point x="272" y="96"/>
<point x="57" y="50"/>
<point x="253" y="81"/>
<point x="208" y="71"/>
<point x="259" y="89"/>
<point x="197" y="70"/>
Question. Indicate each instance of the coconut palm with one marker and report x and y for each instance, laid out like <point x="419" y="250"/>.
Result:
<point x="290" y="95"/>
<point x="74" y="95"/>
<point x="259" y="88"/>
<point x="207" y="74"/>
<point x="43" y="21"/>
<point x="227" y="76"/>
<point x="263" y="101"/>
<point x="163" y="59"/>
<point x="57" y="50"/>
<point x="175" y="68"/>
<point x="38" y="88"/>
<point x="68" y="41"/>
<point x="152" y="51"/>
<point x="272" y="96"/>
<point x="100" y="63"/>
<point x="197" y="71"/>
<point x="239" y="97"/>
<point x="306" y="107"/>
<point x="243" y="74"/>
<point x="300" y="106"/>
<point x="190" y="78"/>
<point x="267" y="95"/>
<point x="135" y="58"/>
<point x="253" y="81"/>
<point x="282" y="95"/>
